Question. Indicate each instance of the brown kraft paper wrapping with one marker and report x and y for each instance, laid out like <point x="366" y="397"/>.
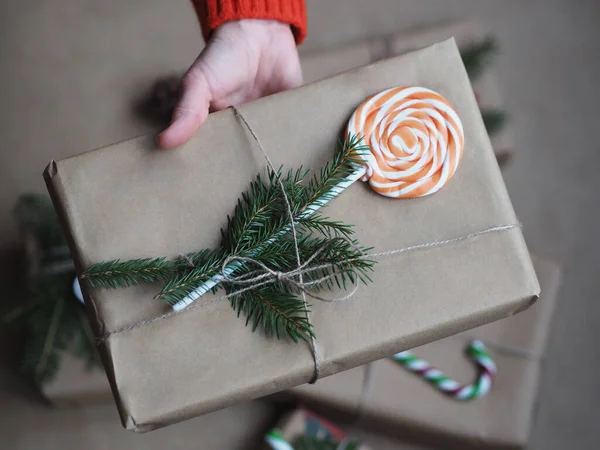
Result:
<point x="399" y="403"/>
<point x="130" y="200"/>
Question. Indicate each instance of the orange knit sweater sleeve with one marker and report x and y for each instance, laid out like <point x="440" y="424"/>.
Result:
<point x="213" y="13"/>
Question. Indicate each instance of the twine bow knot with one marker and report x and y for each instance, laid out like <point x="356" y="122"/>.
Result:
<point x="264" y="274"/>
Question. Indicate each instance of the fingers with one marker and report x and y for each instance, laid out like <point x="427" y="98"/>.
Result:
<point x="191" y="110"/>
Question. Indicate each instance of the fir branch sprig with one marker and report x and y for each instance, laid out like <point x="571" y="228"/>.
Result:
<point x="259" y="231"/>
<point x="121" y="274"/>
<point x="325" y="226"/>
<point x="346" y="160"/>
<point x="205" y="264"/>
<point x="276" y="309"/>
<point x="261" y="219"/>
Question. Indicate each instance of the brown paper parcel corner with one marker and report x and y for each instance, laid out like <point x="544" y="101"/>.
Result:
<point x="130" y="200"/>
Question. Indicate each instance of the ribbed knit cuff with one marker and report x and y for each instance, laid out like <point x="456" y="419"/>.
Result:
<point x="213" y="13"/>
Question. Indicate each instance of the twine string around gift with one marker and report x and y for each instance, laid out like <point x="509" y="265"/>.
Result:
<point x="290" y="214"/>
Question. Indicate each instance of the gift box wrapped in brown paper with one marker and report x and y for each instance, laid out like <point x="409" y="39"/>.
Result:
<point x="131" y="200"/>
<point x="328" y="62"/>
<point x="400" y="403"/>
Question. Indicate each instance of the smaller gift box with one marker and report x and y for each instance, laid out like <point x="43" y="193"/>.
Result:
<point x="398" y="402"/>
<point x="304" y="430"/>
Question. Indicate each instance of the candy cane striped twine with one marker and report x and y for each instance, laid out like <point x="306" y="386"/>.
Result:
<point x="477" y="351"/>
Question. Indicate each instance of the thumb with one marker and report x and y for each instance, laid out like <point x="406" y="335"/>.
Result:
<point x="191" y="110"/>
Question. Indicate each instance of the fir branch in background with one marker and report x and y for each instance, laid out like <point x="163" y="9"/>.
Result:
<point x="477" y="56"/>
<point x="493" y="119"/>
<point x="346" y="159"/>
<point x="35" y="214"/>
<point x="52" y="317"/>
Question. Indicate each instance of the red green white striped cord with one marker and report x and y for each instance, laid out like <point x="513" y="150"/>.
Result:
<point x="476" y="351"/>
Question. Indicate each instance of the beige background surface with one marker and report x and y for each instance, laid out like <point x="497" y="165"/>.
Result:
<point x="70" y="69"/>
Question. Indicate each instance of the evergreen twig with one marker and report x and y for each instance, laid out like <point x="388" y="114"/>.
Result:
<point x="477" y="56"/>
<point x="260" y="229"/>
<point x="276" y="310"/>
<point x="50" y="314"/>
<point x="204" y="265"/>
<point x="121" y="274"/>
<point x="493" y="120"/>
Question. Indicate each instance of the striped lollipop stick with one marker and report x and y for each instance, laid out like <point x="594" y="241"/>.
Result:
<point x="477" y="351"/>
<point x="416" y="140"/>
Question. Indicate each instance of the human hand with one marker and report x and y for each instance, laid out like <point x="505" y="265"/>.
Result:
<point x="243" y="60"/>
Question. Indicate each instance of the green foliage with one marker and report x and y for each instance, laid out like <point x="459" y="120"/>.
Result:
<point x="477" y="56"/>
<point x="260" y="229"/>
<point x="493" y="119"/>
<point x="121" y="274"/>
<point x="52" y="317"/>
<point x="204" y="265"/>
<point x="276" y="310"/>
<point x="345" y="161"/>
<point x="35" y="214"/>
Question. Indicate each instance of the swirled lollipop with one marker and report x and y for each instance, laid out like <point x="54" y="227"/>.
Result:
<point x="415" y="137"/>
<point x="415" y="141"/>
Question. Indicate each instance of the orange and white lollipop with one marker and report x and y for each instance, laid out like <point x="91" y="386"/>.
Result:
<point x="415" y="137"/>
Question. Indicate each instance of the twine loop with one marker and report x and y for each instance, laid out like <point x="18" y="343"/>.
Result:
<point x="263" y="274"/>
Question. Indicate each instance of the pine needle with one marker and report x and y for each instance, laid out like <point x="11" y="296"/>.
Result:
<point x="121" y="274"/>
<point x="276" y="310"/>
